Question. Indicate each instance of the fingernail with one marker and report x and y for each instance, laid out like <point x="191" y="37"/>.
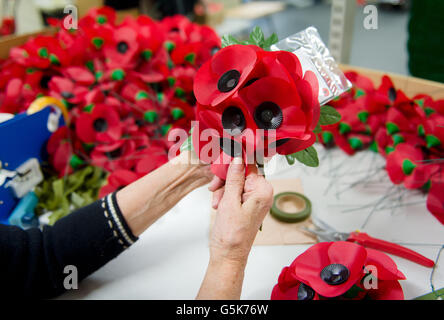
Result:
<point x="236" y="164"/>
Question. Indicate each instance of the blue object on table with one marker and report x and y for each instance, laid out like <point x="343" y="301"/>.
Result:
<point x="21" y="138"/>
<point x="23" y="215"/>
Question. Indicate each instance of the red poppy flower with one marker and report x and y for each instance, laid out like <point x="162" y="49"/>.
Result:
<point x="102" y="15"/>
<point x="150" y="158"/>
<point x="175" y="28"/>
<point x="61" y="153"/>
<point x="117" y="180"/>
<point x="435" y="198"/>
<point x="182" y="78"/>
<point x="154" y="70"/>
<point x="406" y="165"/>
<point x="12" y="97"/>
<point x="338" y="270"/>
<point x="221" y="77"/>
<point x="65" y="89"/>
<point x="80" y="75"/>
<point x="434" y="131"/>
<point x="123" y="50"/>
<point x="101" y="124"/>
<point x="97" y="36"/>
<point x="114" y="156"/>
<point x="404" y="116"/>
<point x="41" y="52"/>
<point x="150" y="35"/>
<point x="185" y="53"/>
<point x="330" y="268"/>
<point x="383" y="97"/>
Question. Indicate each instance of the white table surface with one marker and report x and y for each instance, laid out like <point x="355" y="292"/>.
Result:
<point x="170" y="258"/>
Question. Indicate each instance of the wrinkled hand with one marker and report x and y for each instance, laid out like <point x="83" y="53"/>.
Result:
<point x="242" y="204"/>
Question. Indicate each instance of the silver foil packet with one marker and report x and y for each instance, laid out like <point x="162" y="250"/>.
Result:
<point x="314" y="55"/>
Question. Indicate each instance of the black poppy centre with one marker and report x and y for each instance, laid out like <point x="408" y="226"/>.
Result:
<point x="233" y="120"/>
<point x="228" y="81"/>
<point x="335" y="274"/>
<point x="122" y="47"/>
<point x="305" y="292"/>
<point x="100" y="125"/>
<point x="115" y="154"/>
<point x="268" y="115"/>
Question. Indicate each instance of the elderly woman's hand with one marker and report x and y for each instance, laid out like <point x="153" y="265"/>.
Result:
<point x="241" y="208"/>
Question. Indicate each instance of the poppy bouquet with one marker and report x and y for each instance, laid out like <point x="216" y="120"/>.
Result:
<point x="340" y="270"/>
<point x="125" y="86"/>
<point x="254" y="103"/>
<point x="408" y="132"/>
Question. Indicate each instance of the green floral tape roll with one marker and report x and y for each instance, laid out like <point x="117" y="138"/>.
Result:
<point x="291" y="207"/>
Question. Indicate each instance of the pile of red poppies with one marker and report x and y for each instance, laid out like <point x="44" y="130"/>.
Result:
<point x="408" y="132"/>
<point x="340" y="270"/>
<point x="125" y="86"/>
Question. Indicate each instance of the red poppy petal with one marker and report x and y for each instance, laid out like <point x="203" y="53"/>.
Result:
<point x="80" y="75"/>
<point x="435" y="200"/>
<point x="348" y="254"/>
<point x="387" y="290"/>
<point x="121" y="178"/>
<point x="385" y="266"/>
<point x="84" y="128"/>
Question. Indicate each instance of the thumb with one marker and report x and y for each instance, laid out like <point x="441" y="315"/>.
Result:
<point x="234" y="185"/>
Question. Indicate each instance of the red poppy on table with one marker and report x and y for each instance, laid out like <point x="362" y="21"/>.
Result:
<point x="210" y="43"/>
<point x="331" y="268"/>
<point x="150" y="158"/>
<point x="182" y="78"/>
<point x="10" y="70"/>
<point x="115" y="155"/>
<point x="360" y="82"/>
<point x="185" y="54"/>
<point x="102" y="15"/>
<point x="122" y="51"/>
<point x="154" y="70"/>
<point x="150" y="35"/>
<point x="80" y="75"/>
<point x="64" y="89"/>
<point x="435" y="198"/>
<point x="175" y="28"/>
<point x="434" y="131"/>
<point x="339" y="270"/>
<point x="405" y="115"/>
<point x="12" y="96"/>
<point x="383" y="97"/>
<point x="61" y="153"/>
<point x="97" y="35"/>
<point x="101" y="124"/>
<point x="406" y="165"/>
<point x="41" y="52"/>
<point x="117" y="180"/>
